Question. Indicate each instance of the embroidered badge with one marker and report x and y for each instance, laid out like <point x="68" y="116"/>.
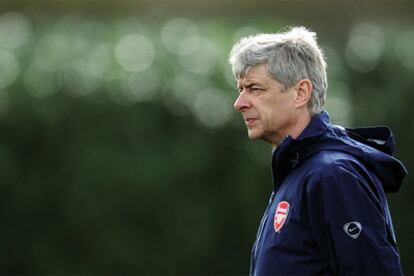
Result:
<point x="353" y="229"/>
<point x="281" y="214"/>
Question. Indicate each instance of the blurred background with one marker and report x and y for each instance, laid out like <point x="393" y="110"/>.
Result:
<point x="120" y="152"/>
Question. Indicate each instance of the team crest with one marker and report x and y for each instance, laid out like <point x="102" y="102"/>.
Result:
<point x="281" y="214"/>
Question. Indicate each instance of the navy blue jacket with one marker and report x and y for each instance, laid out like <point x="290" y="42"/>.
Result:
<point x="328" y="213"/>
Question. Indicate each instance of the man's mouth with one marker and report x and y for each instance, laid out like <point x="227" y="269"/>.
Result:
<point x="250" y="121"/>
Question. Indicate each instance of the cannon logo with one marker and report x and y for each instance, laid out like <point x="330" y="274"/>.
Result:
<point x="281" y="214"/>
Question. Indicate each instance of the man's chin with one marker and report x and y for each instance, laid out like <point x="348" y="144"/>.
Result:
<point x="253" y="136"/>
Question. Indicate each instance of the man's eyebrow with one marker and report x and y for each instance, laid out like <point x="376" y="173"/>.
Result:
<point x="249" y="84"/>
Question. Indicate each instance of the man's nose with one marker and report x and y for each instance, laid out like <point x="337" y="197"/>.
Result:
<point x="241" y="102"/>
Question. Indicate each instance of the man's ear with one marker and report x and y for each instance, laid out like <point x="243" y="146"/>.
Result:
<point x="304" y="92"/>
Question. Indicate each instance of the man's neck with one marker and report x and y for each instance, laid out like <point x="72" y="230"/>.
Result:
<point x="297" y="128"/>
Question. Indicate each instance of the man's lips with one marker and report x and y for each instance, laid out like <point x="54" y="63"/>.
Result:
<point x="249" y="121"/>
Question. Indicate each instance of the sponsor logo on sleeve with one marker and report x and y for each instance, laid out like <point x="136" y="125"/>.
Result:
<point x="353" y="229"/>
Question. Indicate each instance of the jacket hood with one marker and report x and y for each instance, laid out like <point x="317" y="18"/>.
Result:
<point x="372" y="146"/>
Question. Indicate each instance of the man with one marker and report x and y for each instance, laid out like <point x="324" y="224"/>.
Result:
<point x="328" y="213"/>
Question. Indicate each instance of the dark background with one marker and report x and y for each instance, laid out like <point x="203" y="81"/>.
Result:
<point x="120" y="152"/>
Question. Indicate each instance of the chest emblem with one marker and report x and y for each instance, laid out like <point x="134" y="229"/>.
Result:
<point x="281" y="214"/>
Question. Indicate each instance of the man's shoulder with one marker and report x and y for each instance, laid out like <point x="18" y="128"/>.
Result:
<point x="328" y="162"/>
<point x="330" y="170"/>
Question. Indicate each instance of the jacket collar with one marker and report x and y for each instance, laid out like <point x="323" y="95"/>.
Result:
<point x="316" y="127"/>
<point x="291" y="151"/>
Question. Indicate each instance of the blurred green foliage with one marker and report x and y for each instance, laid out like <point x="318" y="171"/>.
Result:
<point x="120" y="151"/>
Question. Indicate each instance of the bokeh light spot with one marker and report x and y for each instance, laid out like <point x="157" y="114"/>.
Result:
<point x="188" y="45"/>
<point x="204" y="57"/>
<point x="128" y="88"/>
<point x="9" y="68"/>
<point x="142" y="86"/>
<point x="339" y="103"/>
<point x="186" y="86"/>
<point x="98" y="61"/>
<point x="213" y="108"/>
<point x="336" y="67"/>
<point x="175" y="32"/>
<point x="228" y="76"/>
<point x="40" y="82"/>
<point x="180" y="93"/>
<point x="134" y="52"/>
<point x="15" y="30"/>
<point x="52" y="51"/>
<point x="404" y="49"/>
<point x="365" y="47"/>
<point x="78" y="81"/>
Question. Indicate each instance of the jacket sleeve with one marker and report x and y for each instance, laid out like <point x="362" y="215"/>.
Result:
<point x="348" y="220"/>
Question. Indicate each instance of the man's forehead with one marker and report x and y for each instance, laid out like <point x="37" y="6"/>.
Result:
<point x="245" y="81"/>
<point x="254" y="74"/>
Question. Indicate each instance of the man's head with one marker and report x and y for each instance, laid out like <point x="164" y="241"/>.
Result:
<point x="280" y="77"/>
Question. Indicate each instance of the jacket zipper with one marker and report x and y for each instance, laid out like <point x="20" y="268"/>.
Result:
<point x="263" y="222"/>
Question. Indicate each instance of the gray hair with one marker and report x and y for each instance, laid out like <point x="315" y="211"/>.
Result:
<point x="290" y="56"/>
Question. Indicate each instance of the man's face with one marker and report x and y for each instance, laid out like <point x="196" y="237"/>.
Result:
<point x="268" y="111"/>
